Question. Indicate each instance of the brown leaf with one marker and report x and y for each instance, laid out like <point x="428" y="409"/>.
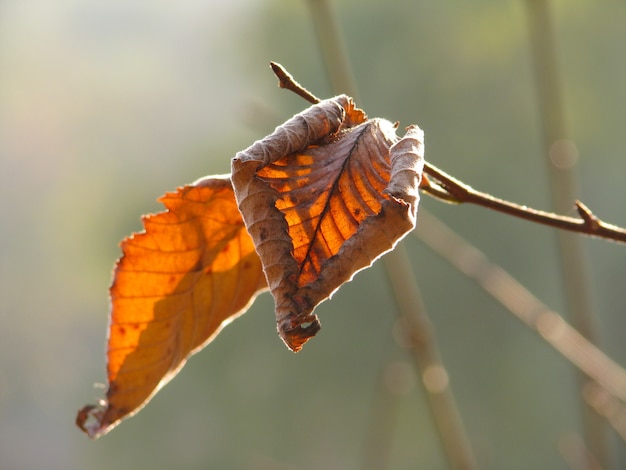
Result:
<point x="192" y="270"/>
<point x="323" y="197"/>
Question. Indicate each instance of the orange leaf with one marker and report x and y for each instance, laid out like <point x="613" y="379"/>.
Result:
<point x="192" y="270"/>
<point x="323" y="197"/>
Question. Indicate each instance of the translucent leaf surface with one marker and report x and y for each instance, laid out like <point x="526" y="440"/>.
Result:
<point x="323" y="197"/>
<point x="191" y="271"/>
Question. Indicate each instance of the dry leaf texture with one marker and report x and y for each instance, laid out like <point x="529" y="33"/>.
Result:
<point x="323" y="197"/>
<point x="191" y="271"/>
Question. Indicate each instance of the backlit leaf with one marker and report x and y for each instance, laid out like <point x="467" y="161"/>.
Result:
<point x="323" y="197"/>
<point x="191" y="271"/>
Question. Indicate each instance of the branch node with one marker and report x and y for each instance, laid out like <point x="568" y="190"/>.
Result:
<point x="591" y="221"/>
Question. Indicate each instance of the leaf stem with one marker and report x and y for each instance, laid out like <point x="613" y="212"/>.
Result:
<point x="459" y="192"/>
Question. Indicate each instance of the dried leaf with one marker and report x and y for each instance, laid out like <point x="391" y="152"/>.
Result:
<point x="192" y="270"/>
<point x="323" y="197"/>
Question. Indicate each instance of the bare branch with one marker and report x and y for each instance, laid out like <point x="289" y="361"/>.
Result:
<point x="286" y="81"/>
<point x="524" y="305"/>
<point x="450" y="189"/>
<point x="422" y="341"/>
<point x="605" y="404"/>
<point x="459" y="192"/>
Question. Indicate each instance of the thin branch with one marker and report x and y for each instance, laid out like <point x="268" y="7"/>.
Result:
<point x="332" y="47"/>
<point x="422" y="342"/>
<point x="380" y="430"/>
<point x="576" y="454"/>
<point x="605" y="404"/>
<point x="574" y="347"/>
<point x="449" y="188"/>
<point x="286" y="81"/>
<point x="445" y="413"/>
<point x="563" y="184"/>
<point x="524" y="305"/>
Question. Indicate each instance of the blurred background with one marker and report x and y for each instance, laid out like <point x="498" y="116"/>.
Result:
<point x="105" y="105"/>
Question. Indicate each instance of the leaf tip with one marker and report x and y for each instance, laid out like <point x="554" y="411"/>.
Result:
<point x="90" y="420"/>
<point x="296" y="331"/>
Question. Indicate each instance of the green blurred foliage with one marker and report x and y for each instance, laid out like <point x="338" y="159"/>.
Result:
<point x="106" y="105"/>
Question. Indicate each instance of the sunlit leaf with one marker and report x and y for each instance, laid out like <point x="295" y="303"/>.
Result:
<point x="323" y="197"/>
<point x="191" y="271"/>
<point x="319" y="199"/>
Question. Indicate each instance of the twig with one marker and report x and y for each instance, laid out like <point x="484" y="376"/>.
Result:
<point x="442" y="404"/>
<point x="563" y="181"/>
<point x="497" y="282"/>
<point x="521" y="303"/>
<point x="549" y="324"/>
<point x="380" y="430"/>
<point x="286" y="81"/>
<point x="422" y="342"/>
<point x="605" y="404"/>
<point x="575" y="453"/>
<point x="449" y="188"/>
<point x="332" y="47"/>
